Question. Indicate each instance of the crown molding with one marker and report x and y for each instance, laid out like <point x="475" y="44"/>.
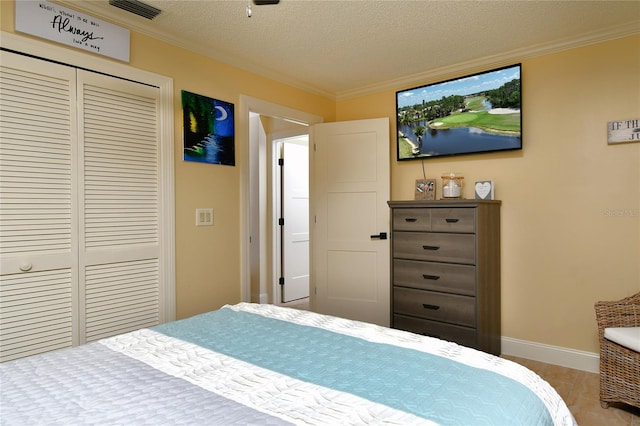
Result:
<point x="494" y="61"/>
<point x="141" y="26"/>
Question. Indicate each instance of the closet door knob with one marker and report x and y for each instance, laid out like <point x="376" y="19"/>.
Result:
<point x="25" y="267"/>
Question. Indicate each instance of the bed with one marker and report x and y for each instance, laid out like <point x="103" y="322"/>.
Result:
<point x="257" y="364"/>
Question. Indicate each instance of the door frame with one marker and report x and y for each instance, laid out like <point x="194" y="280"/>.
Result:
<point x="249" y="105"/>
<point x="79" y="59"/>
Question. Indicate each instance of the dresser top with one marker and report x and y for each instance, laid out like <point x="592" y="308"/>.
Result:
<point x="442" y="203"/>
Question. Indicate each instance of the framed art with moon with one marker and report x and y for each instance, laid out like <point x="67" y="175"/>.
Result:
<point x="208" y="130"/>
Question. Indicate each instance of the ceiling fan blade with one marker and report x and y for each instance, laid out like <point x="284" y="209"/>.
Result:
<point x="263" y="2"/>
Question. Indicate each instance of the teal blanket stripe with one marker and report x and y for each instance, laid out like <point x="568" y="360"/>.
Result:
<point x="425" y="385"/>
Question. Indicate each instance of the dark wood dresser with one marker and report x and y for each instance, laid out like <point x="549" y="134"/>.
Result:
<point x="445" y="270"/>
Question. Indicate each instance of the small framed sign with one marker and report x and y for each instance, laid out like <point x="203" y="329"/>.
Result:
<point x="484" y="190"/>
<point x="57" y="23"/>
<point x="623" y="131"/>
<point x="425" y="189"/>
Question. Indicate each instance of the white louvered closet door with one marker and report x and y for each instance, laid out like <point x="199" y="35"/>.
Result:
<point x="79" y="206"/>
<point x="38" y="232"/>
<point x="119" y="197"/>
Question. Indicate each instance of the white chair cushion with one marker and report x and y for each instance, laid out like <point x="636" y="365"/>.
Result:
<point x="629" y="337"/>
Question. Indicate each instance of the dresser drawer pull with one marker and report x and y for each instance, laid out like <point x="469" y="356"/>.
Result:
<point x="410" y="219"/>
<point x="432" y="307"/>
<point x="452" y="220"/>
<point x="431" y="247"/>
<point x="430" y="277"/>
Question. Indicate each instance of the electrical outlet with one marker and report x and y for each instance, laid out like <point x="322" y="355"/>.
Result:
<point x="204" y="217"/>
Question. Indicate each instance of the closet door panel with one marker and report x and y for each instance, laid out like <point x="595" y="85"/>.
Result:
<point x="79" y="206"/>
<point x="38" y="219"/>
<point x="119" y="196"/>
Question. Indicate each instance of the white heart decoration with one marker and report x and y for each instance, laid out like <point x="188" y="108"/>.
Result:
<point x="483" y="189"/>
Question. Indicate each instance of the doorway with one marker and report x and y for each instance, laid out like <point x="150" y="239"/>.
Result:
<point x="261" y="123"/>
<point x="338" y="288"/>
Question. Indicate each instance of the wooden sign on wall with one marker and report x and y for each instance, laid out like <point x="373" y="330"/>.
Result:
<point x="56" y="23"/>
<point x="623" y="131"/>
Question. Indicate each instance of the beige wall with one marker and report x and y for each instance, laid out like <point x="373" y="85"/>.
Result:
<point x="571" y="204"/>
<point x="208" y="258"/>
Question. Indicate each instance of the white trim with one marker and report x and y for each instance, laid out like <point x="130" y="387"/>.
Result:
<point x="167" y="203"/>
<point x="87" y="61"/>
<point x="556" y="355"/>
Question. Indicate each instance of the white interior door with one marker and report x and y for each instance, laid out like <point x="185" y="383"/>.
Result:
<point x="295" y="229"/>
<point x="350" y="268"/>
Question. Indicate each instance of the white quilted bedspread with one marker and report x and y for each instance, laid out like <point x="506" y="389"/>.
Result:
<point x="147" y="377"/>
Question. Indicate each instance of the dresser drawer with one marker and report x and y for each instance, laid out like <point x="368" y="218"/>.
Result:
<point x="412" y="219"/>
<point x="460" y="310"/>
<point x="454" y="248"/>
<point x="452" y="333"/>
<point x="446" y="277"/>
<point x="453" y="220"/>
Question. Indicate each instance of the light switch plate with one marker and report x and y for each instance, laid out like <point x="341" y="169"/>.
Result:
<point x="204" y="217"/>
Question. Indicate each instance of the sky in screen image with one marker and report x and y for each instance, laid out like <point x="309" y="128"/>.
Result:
<point x="461" y="86"/>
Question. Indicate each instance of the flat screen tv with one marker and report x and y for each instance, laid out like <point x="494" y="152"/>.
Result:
<point x="473" y="114"/>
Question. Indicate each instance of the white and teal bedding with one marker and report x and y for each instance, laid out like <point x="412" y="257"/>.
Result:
<point x="262" y="365"/>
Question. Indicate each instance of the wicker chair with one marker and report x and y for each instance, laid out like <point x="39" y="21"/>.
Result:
<point x="619" y="366"/>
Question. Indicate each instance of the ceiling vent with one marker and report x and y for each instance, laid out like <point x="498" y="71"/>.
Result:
<point x="136" y="7"/>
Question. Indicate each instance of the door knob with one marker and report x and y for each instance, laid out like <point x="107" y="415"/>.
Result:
<point x="380" y="236"/>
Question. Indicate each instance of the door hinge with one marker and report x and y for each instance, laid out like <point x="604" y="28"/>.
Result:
<point x="280" y="161"/>
<point x="281" y="221"/>
<point x="281" y="281"/>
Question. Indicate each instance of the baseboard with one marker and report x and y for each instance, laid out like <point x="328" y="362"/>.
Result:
<point x="556" y="355"/>
<point x="261" y="298"/>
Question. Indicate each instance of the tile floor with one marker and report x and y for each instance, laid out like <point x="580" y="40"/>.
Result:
<point x="579" y="389"/>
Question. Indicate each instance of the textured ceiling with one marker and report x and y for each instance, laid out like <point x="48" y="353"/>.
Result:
<point x="345" y="48"/>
